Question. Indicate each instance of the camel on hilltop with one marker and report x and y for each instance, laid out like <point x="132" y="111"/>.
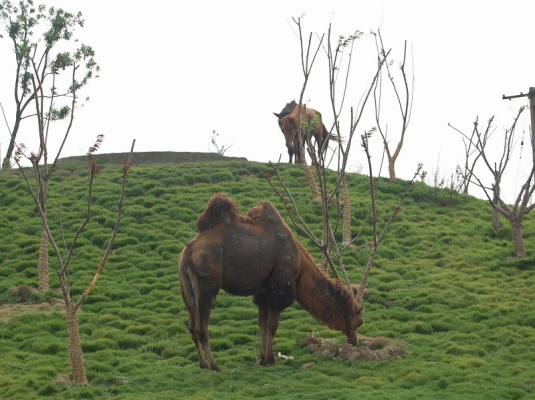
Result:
<point x="289" y="126"/>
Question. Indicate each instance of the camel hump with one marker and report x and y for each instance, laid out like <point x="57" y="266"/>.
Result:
<point x="270" y="212"/>
<point x="220" y="208"/>
<point x="263" y="213"/>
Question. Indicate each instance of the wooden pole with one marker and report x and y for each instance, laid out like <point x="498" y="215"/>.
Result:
<point x="531" y="96"/>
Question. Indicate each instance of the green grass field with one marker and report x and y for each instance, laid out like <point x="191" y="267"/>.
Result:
<point x="444" y="284"/>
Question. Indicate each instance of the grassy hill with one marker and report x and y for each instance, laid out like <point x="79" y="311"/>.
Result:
<point x="444" y="284"/>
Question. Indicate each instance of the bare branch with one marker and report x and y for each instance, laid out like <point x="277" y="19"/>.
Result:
<point x="126" y="168"/>
<point x="404" y="105"/>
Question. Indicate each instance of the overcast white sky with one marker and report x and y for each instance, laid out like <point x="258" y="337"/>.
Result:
<point x="174" y="71"/>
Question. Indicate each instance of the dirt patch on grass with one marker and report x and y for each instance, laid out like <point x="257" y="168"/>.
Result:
<point x="368" y="349"/>
<point x="8" y="311"/>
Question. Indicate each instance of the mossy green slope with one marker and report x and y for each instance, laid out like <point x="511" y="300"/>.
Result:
<point x="443" y="282"/>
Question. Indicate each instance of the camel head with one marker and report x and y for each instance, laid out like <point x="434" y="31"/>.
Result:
<point x="354" y="318"/>
<point x="289" y="130"/>
<point x="288" y="108"/>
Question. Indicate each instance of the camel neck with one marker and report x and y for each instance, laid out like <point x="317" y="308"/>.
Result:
<point x="320" y="296"/>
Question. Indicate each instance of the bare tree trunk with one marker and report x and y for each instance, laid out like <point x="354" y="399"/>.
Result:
<point x="6" y="164"/>
<point x="42" y="264"/>
<point x="496" y="199"/>
<point x="76" y="356"/>
<point x="495" y="214"/>
<point x="518" y="241"/>
<point x="316" y="196"/>
<point x="346" y="228"/>
<point x="392" y="168"/>
<point x="495" y="220"/>
<point x="404" y="103"/>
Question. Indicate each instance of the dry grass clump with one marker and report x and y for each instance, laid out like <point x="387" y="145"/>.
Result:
<point x="8" y="311"/>
<point x="368" y="349"/>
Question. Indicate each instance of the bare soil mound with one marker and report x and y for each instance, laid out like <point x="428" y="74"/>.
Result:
<point x="368" y="349"/>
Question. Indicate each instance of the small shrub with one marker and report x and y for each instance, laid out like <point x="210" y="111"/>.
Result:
<point x="140" y="329"/>
<point x="221" y="176"/>
<point x="53" y="326"/>
<point x="443" y="383"/>
<point x="125" y="240"/>
<point x="131" y="341"/>
<point x="25" y="294"/>
<point x="100" y="239"/>
<point x="48" y="347"/>
<point x="221" y="344"/>
<point x="8" y="200"/>
<point x="48" y="389"/>
<point x="94" y="345"/>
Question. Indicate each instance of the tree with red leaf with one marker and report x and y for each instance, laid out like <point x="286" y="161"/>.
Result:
<point x="72" y="306"/>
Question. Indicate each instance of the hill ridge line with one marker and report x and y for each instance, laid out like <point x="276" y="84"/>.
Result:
<point x="157" y="157"/>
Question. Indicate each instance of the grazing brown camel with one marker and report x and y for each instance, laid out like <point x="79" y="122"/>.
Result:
<point x="256" y="255"/>
<point x="289" y="125"/>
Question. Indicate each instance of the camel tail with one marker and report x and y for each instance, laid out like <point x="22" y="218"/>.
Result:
<point x="219" y="207"/>
<point x="328" y="136"/>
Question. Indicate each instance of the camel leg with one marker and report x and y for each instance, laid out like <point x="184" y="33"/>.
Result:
<point x="198" y="328"/>
<point x="262" y="322"/>
<point x="205" y="342"/>
<point x="290" y="154"/>
<point x="272" y="323"/>
<point x="204" y="303"/>
<point x="202" y="360"/>
<point x="199" y="307"/>
<point x="297" y="151"/>
<point x="188" y="295"/>
<point x="268" y="322"/>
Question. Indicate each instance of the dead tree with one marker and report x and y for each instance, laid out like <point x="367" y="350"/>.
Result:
<point x="404" y="100"/>
<point x="474" y="146"/>
<point x="471" y="156"/>
<point x="72" y="306"/>
<point x="330" y="250"/>
<point x="335" y="56"/>
<point x="516" y="212"/>
<point x="307" y="62"/>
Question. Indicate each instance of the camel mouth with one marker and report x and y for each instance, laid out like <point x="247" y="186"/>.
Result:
<point x="353" y="340"/>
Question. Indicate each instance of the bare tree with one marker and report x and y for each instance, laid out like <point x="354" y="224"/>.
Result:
<point x="219" y="149"/>
<point x="471" y="156"/>
<point x="76" y="357"/>
<point x="404" y="100"/>
<point x="516" y="212"/>
<point x="335" y="55"/>
<point x="331" y="251"/>
<point x="474" y="146"/>
<point x="307" y="62"/>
